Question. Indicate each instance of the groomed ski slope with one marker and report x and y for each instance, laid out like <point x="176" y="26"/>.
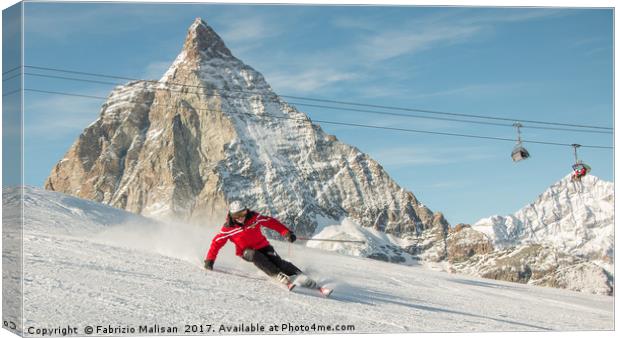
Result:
<point x="87" y="264"/>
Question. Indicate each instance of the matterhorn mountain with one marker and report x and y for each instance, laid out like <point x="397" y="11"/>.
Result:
<point x="212" y="130"/>
<point x="564" y="239"/>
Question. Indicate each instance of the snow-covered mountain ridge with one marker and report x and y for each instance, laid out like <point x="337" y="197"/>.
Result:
<point x="574" y="217"/>
<point x="563" y="239"/>
<point x="107" y="264"/>
<point x="574" y="250"/>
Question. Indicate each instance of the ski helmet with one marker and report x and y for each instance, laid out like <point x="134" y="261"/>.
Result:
<point x="236" y="206"/>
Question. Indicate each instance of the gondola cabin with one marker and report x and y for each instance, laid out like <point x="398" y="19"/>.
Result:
<point x="519" y="153"/>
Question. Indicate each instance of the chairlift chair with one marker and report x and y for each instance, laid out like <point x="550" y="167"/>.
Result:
<point x="581" y="166"/>
<point x="580" y="169"/>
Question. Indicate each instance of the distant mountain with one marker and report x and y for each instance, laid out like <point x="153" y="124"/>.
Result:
<point x="574" y="217"/>
<point x="212" y="130"/>
<point x="564" y="239"/>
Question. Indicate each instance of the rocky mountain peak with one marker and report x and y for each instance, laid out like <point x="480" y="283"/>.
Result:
<point x="203" y="41"/>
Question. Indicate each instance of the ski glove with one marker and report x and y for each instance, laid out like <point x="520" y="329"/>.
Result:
<point x="290" y="236"/>
<point x="208" y="264"/>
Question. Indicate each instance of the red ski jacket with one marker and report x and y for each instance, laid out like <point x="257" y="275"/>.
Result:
<point x="246" y="235"/>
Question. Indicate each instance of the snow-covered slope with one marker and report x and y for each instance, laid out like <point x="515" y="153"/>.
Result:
<point x="350" y="238"/>
<point x="576" y="218"/>
<point x="93" y="265"/>
<point x="39" y="205"/>
<point x="343" y="238"/>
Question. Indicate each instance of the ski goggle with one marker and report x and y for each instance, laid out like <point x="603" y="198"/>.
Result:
<point x="239" y="213"/>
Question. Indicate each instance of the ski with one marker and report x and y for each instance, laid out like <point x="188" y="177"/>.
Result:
<point x="306" y="282"/>
<point x="325" y="292"/>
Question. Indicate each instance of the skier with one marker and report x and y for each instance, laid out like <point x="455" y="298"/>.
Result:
<point x="242" y="227"/>
<point x="579" y="170"/>
<point x="578" y="174"/>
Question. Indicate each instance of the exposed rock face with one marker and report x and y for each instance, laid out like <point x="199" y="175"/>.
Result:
<point x="431" y="245"/>
<point x="95" y="165"/>
<point x="538" y="265"/>
<point x="168" y="150"/>
<point x="465" y="242"/>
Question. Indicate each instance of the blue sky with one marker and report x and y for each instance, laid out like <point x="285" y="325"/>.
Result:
<point x="548" y="64"/>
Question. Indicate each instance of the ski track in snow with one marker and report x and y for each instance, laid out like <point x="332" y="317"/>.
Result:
<point x="77" y="276"/>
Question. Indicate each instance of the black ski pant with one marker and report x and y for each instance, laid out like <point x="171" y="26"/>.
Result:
<point x="268" y="260"/>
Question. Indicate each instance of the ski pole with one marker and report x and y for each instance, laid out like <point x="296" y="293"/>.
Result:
<point x="329" y="240"/>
